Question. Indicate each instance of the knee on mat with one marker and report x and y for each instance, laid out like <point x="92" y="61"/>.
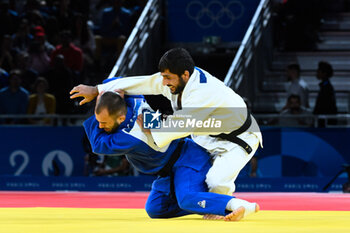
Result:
<point x="152" y="211"/>
<point x="186" y="202"/>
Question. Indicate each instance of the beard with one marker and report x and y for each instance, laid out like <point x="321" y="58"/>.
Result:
<point x="113" y="129"/>
<point x="179" y="88"/>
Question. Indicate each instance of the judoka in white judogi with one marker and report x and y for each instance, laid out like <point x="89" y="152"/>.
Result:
<point x="199" y="95"/>
<point x="203" y="96"/>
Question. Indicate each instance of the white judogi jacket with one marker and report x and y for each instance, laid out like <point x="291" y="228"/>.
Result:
<point x="204" y="96"/>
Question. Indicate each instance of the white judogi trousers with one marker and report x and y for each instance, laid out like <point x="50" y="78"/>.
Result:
<point x="227" y="165"/>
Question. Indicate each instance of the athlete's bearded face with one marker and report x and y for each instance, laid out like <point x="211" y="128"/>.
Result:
<point x="174" y="82"/>
<point x="107" y="122"/>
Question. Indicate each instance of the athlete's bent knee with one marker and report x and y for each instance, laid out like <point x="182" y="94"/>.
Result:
<point x="211" y="180"/>
<point x="152" y="211"/>
<point x="187" y="203"/>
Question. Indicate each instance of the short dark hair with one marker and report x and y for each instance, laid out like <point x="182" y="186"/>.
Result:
<point x="113" y="102"/>
<point x="294" y="66"/>
<point x="177" y="60"/>
<point x="326" y="68"/>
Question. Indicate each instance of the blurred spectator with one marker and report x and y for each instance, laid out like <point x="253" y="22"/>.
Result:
<point x="73" y="56"/>
<point x="116" y="20"/>
<point x="41" y="102"/>
<point x="114" y="29"/>
<point x="39" y="61"/>
<point x="97" y="11"/>
<point x="35" y="18"/>
<point x="6" y="53"/>
<point x="22" y="38"/>
<point x="14" y="98"/>
<point x="52" y="30"/>
<point x="325" y="102"/>
<point x="294" y="109"/>
<point x="28" y="75"/>
<point x="60" y="80"/>
<point x="296" y="85"/>
<point x="39" y="36"/>
<point x="30" y="37"/>
<point x="84" y="38"/>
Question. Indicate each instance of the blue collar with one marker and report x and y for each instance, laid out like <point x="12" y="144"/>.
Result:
<point x="127" y="124"/>
<point x="133" y="105"/>
<point x="202" y="78"/>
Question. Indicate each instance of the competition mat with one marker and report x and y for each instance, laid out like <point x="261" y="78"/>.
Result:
<point x="121" y="212"/>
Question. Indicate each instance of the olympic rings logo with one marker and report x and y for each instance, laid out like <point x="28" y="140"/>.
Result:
<point x="214" y="12"/>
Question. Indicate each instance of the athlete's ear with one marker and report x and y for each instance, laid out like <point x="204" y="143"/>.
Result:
<point x="186" y="76"/>
<point x="121" y="118"/>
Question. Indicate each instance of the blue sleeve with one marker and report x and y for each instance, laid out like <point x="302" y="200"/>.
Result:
<point x="118" y="143"/>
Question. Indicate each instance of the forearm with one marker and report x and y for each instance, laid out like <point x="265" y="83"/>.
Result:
<point x="137" y="85"/>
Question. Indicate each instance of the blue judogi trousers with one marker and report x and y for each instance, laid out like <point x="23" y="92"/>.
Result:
<point x="191" y="193"/>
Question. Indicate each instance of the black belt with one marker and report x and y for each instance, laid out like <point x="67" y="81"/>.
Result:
<point x="232" y="137"/>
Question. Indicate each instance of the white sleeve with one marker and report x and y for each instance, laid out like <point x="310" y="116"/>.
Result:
<point x="201" y="112"/>
<point x="138" y="85"/>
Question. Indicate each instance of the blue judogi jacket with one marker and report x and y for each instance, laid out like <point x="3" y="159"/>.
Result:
<point x="130" y="142"/>
<point x="126" y="142"/>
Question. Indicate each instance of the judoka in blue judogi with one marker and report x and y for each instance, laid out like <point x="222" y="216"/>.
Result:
<point x="182" y="165"/>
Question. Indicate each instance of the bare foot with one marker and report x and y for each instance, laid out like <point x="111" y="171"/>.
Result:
<point x="257" y="207"/>
<point x="212" y="217"/>
<point x="235" y="215"/>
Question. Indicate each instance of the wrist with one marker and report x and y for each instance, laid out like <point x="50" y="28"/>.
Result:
<point x="95" y="90"/>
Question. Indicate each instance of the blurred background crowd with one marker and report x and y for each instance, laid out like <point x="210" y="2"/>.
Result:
<point x="47" y="47"/>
